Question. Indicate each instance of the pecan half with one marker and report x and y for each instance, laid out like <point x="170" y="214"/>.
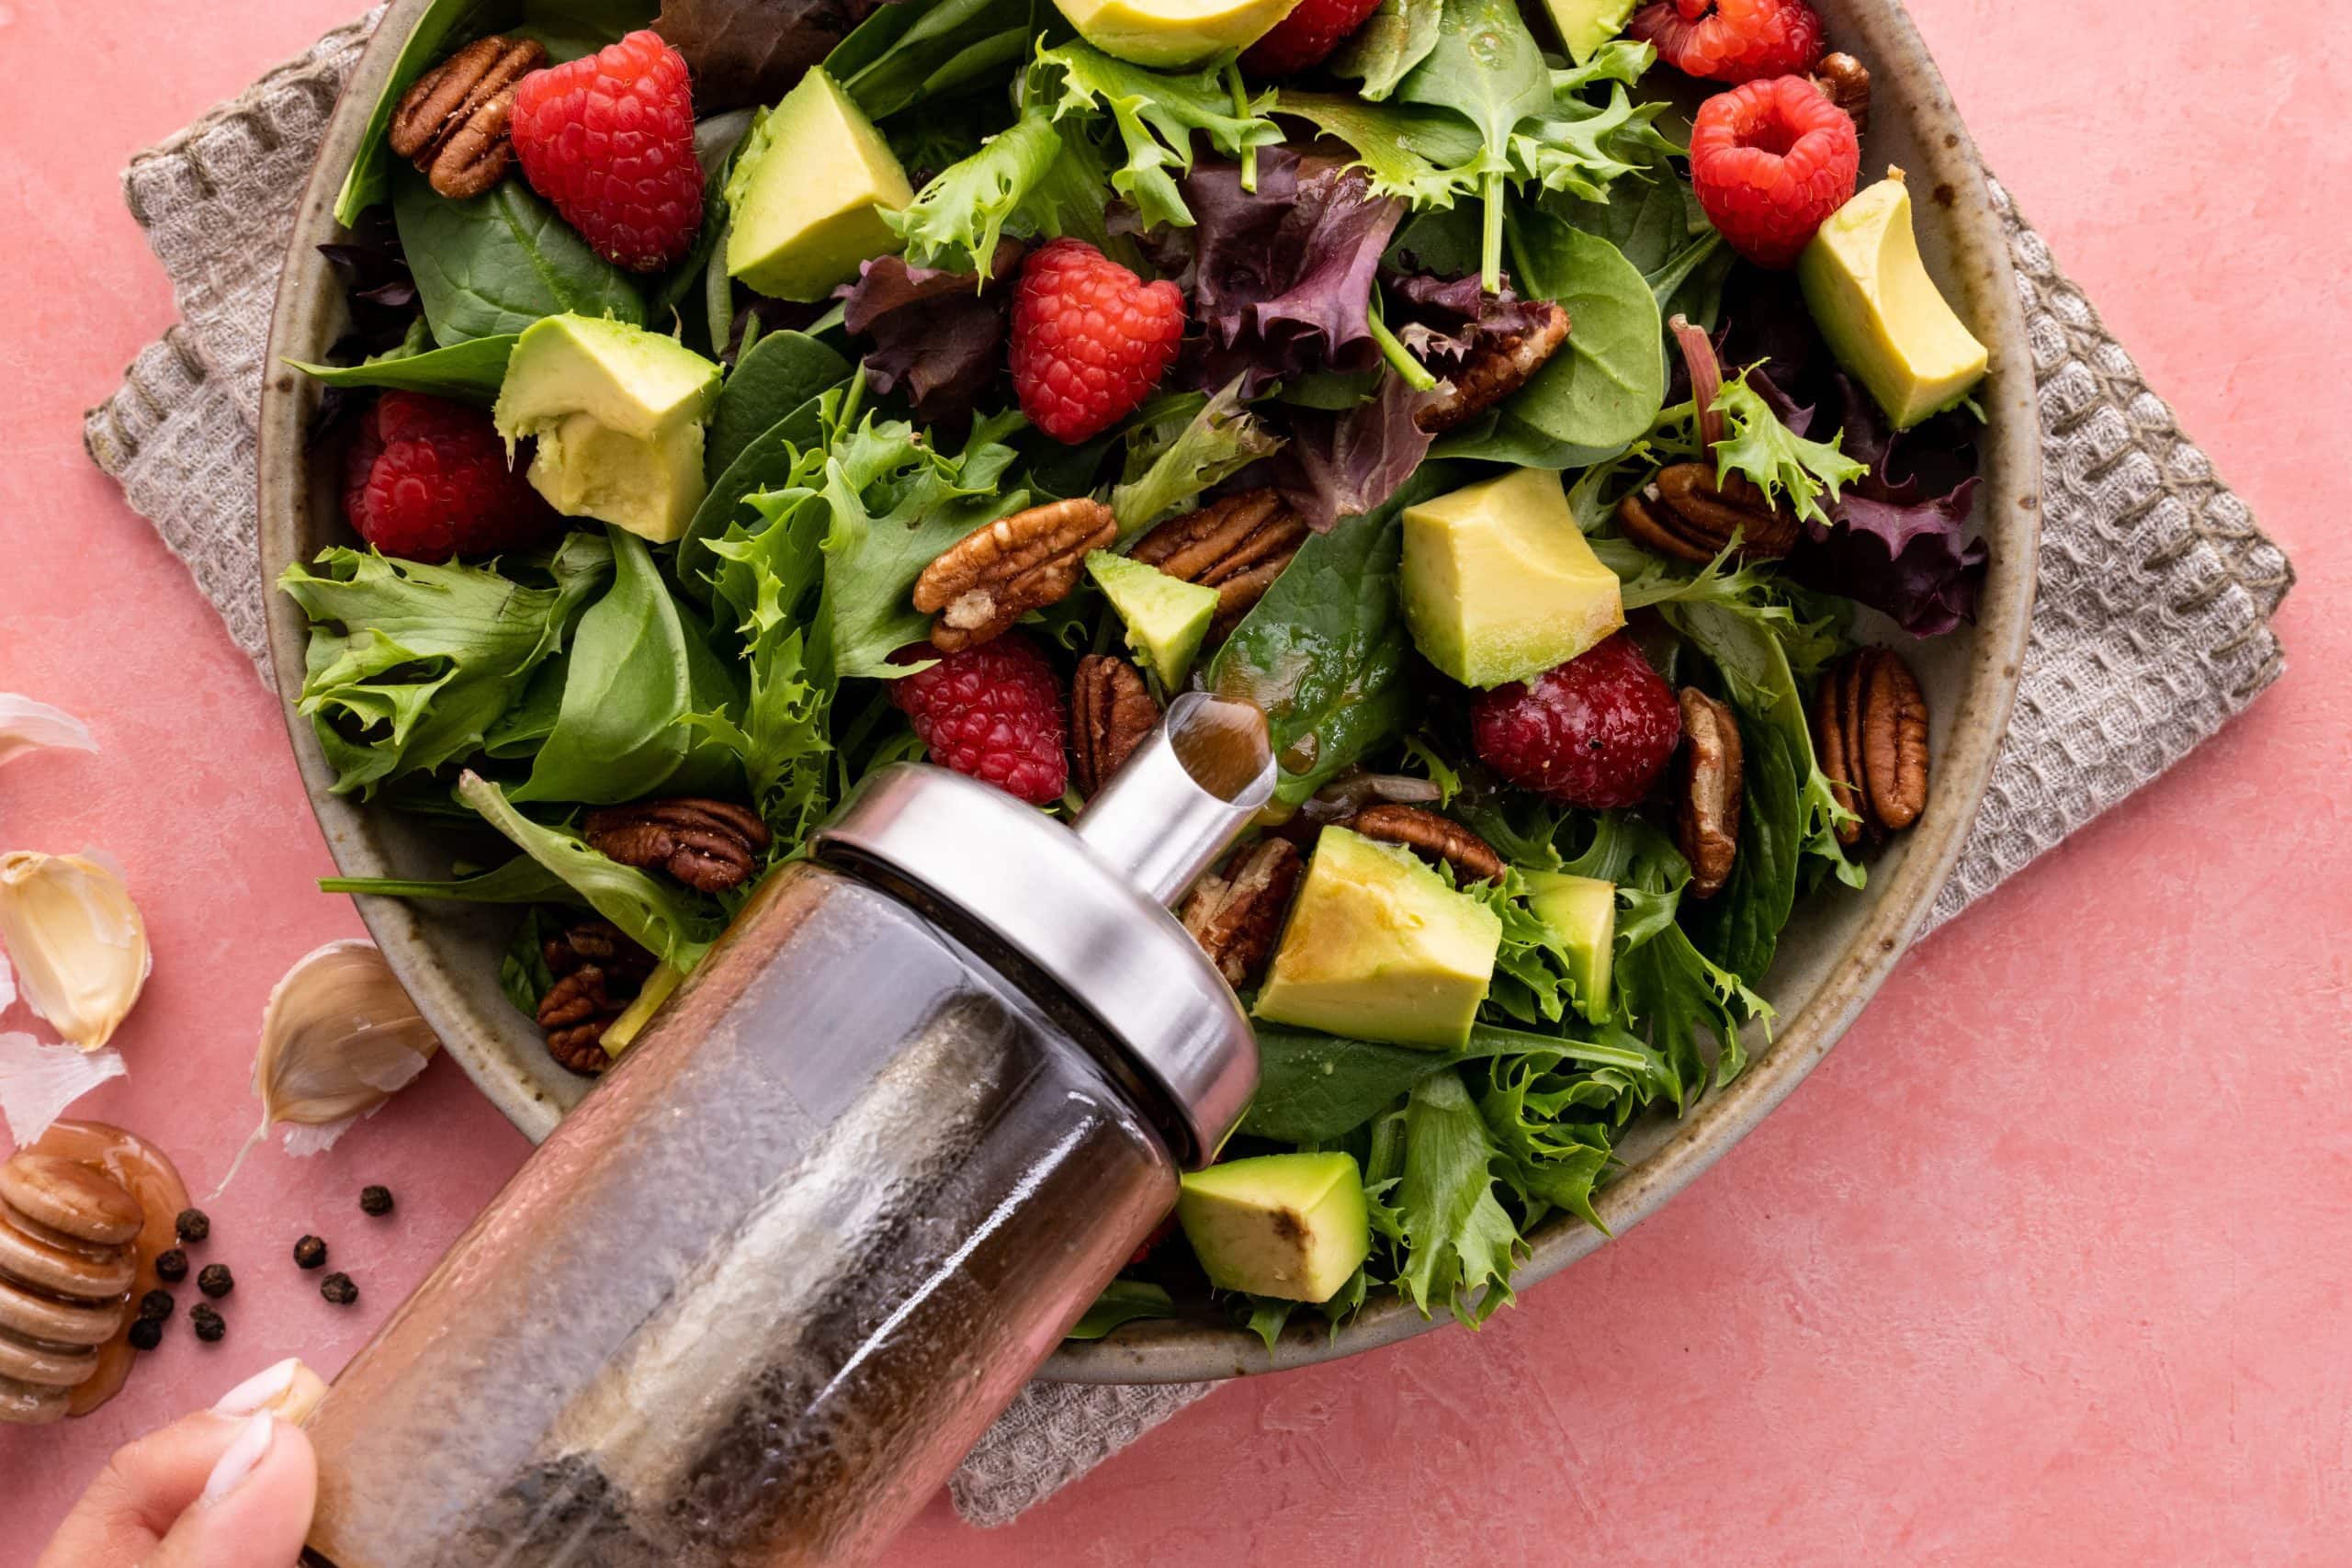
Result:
<point x="1846" y="82"/>
<point x="1238" y="546"/>
<point x="996" y="574"/>
<point x="1869" y="731"/>
<point x="575" y="1014"/>
<point x="1237" y="914"/>
<point x="1683" y="514"/>
<point x="1427" y="833"/>
<point x="452" y="122"/>
<point x="1111" y="712"/>
<point x="599" y="943"/>
<point x="1494" y="371"/>
<point x="707" y="844"/>
<point x="1707" y="792"/>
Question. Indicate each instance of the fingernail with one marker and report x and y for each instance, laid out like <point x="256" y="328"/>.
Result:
<point x="258" y="1390"/>
<point x="244" y="1452"/>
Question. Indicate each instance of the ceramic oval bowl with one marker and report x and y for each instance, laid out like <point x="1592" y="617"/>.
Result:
<point x="1832" y="957"/>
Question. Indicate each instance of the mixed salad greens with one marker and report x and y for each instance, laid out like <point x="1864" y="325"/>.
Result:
<point x="1354" y="245"/>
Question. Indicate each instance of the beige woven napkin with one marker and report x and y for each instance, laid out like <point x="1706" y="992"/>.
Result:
<point x="2153" y="628"/>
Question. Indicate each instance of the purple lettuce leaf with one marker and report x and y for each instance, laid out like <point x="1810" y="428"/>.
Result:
<point x="938" y="334"/>
<point x="1440" y="319"/>
<point x="752" y="52"/>
<point x="1913" y="561"/>
<point x="1344" y="464"/>
<point x="1279" y="280"/>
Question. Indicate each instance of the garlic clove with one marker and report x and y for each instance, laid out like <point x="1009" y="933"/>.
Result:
<point x="38" y="1082"/>
<point x="77" y="941"/>
<point x="27" y="725"/>
<point x="339" y="1037"/>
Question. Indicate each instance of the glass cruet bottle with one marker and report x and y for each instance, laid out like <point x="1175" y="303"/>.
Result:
<point x="753" y="1299"/>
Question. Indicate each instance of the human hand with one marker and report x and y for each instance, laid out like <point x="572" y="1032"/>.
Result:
<point x="229" y="1487"/>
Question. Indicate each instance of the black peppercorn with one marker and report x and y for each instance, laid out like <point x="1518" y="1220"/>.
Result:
<point x="208" y="1323"/>
<point x="154" y="1307"/>
<point x="193" y="1224"/>
<point x="215" y="1281"/>
<point x="170" y="1266"/>
<point x="376" y="1201"/>
<point x="338" y="1289"/>
<point x="310" y="1252"/>
<point x="146" y="1334"/>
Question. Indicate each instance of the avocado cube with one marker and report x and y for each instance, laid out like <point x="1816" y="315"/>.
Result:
<point x="806" y="199"/>
<point x="1499" y="584"/>
<point x="1163" y="34"/>
<point x="1582" y="912"/>
<point x="1585" y="24"/>
<point x="1880" y="313"/>
<point x="1377" y="947"/>
<point x="617" y="413"/>
<point x="1166" y="616"/>
<point x="1293" y="1226"/>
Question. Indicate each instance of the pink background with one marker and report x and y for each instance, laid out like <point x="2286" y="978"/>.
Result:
<point x="2048" y="1264"/>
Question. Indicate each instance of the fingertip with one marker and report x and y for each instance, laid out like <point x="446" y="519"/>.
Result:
<point x="255" y="1510"/>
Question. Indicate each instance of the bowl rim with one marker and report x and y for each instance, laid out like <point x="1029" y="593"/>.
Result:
<point x="1185" y="1350"/>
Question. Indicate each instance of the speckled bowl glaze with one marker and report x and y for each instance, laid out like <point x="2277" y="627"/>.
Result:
<point x="1833" y="957"/>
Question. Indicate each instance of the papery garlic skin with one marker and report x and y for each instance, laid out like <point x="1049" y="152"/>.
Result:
<point x="27" y="725"/>
<point x="77" y="941"/>
<point x="38" y="1082"/>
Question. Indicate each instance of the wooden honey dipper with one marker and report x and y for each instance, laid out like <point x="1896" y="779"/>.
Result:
<point x="67" y="1264"/>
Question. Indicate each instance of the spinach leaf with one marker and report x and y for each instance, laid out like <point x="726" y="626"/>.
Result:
<point x="620" y="731"/>
<point x="444" y="24"/>
<point x="469" y="372"/>
<point x="523" y="973"/>
<point x="1323" y="654"/>
<point x="1397" y="37"/>
<point x="530" y="720"/>
<point x="903" y="54"/>
<point x="410" y="663"/>
<point x="495" y="264"/>
<point x="1503" y="436"/>
<point x="520" y="881"/>
<point x="1315" y="1088"/>
<point x="768" y="461"/>
<point x="1486" y="67"/>
<point x="717" y="141"/>
<point x="1123" y="1301"/>
<point x="774" y="377"/>
<point x="1740" y="927"/>
<point x="1606" y="387"/>
<point x="665" y="919"/>
<point x="572" y="29"/>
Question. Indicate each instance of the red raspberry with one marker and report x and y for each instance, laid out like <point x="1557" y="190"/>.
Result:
<point x="1306" y="37"/>
<point x="993" y="712"/>
<point x="1770" y="161"/>
<point x="1732" y="40"/>
<point x="426" y="479"/>
<point x="610" y="141"/>
<point x="1090" y="339"/>
<point x="1595" y="732"/>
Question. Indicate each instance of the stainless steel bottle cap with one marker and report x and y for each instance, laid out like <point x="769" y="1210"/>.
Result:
<point x="1086" y="905"/>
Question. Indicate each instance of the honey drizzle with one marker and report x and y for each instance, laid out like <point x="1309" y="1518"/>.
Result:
<point x="147" y="1172"/>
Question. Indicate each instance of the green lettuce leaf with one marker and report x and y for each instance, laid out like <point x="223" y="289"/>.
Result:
<point x="1156" y="114"/>
<point x="957" y="220"/>
<point x="1198" y="442"/>
<point x="895" y="503"/>
<point x="410" y="664"/>
<point x="1776" y="459"/>
<point x="657" y="915"/>
<point x="1460" y="1245"/>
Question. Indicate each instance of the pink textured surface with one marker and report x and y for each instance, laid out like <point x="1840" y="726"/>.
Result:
<point x="2049" y="1263"/>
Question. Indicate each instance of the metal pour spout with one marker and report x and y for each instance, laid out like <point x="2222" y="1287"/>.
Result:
<point x="1175" y="805"/>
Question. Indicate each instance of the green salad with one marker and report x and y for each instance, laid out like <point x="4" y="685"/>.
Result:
<point x="1537" y="414"/>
